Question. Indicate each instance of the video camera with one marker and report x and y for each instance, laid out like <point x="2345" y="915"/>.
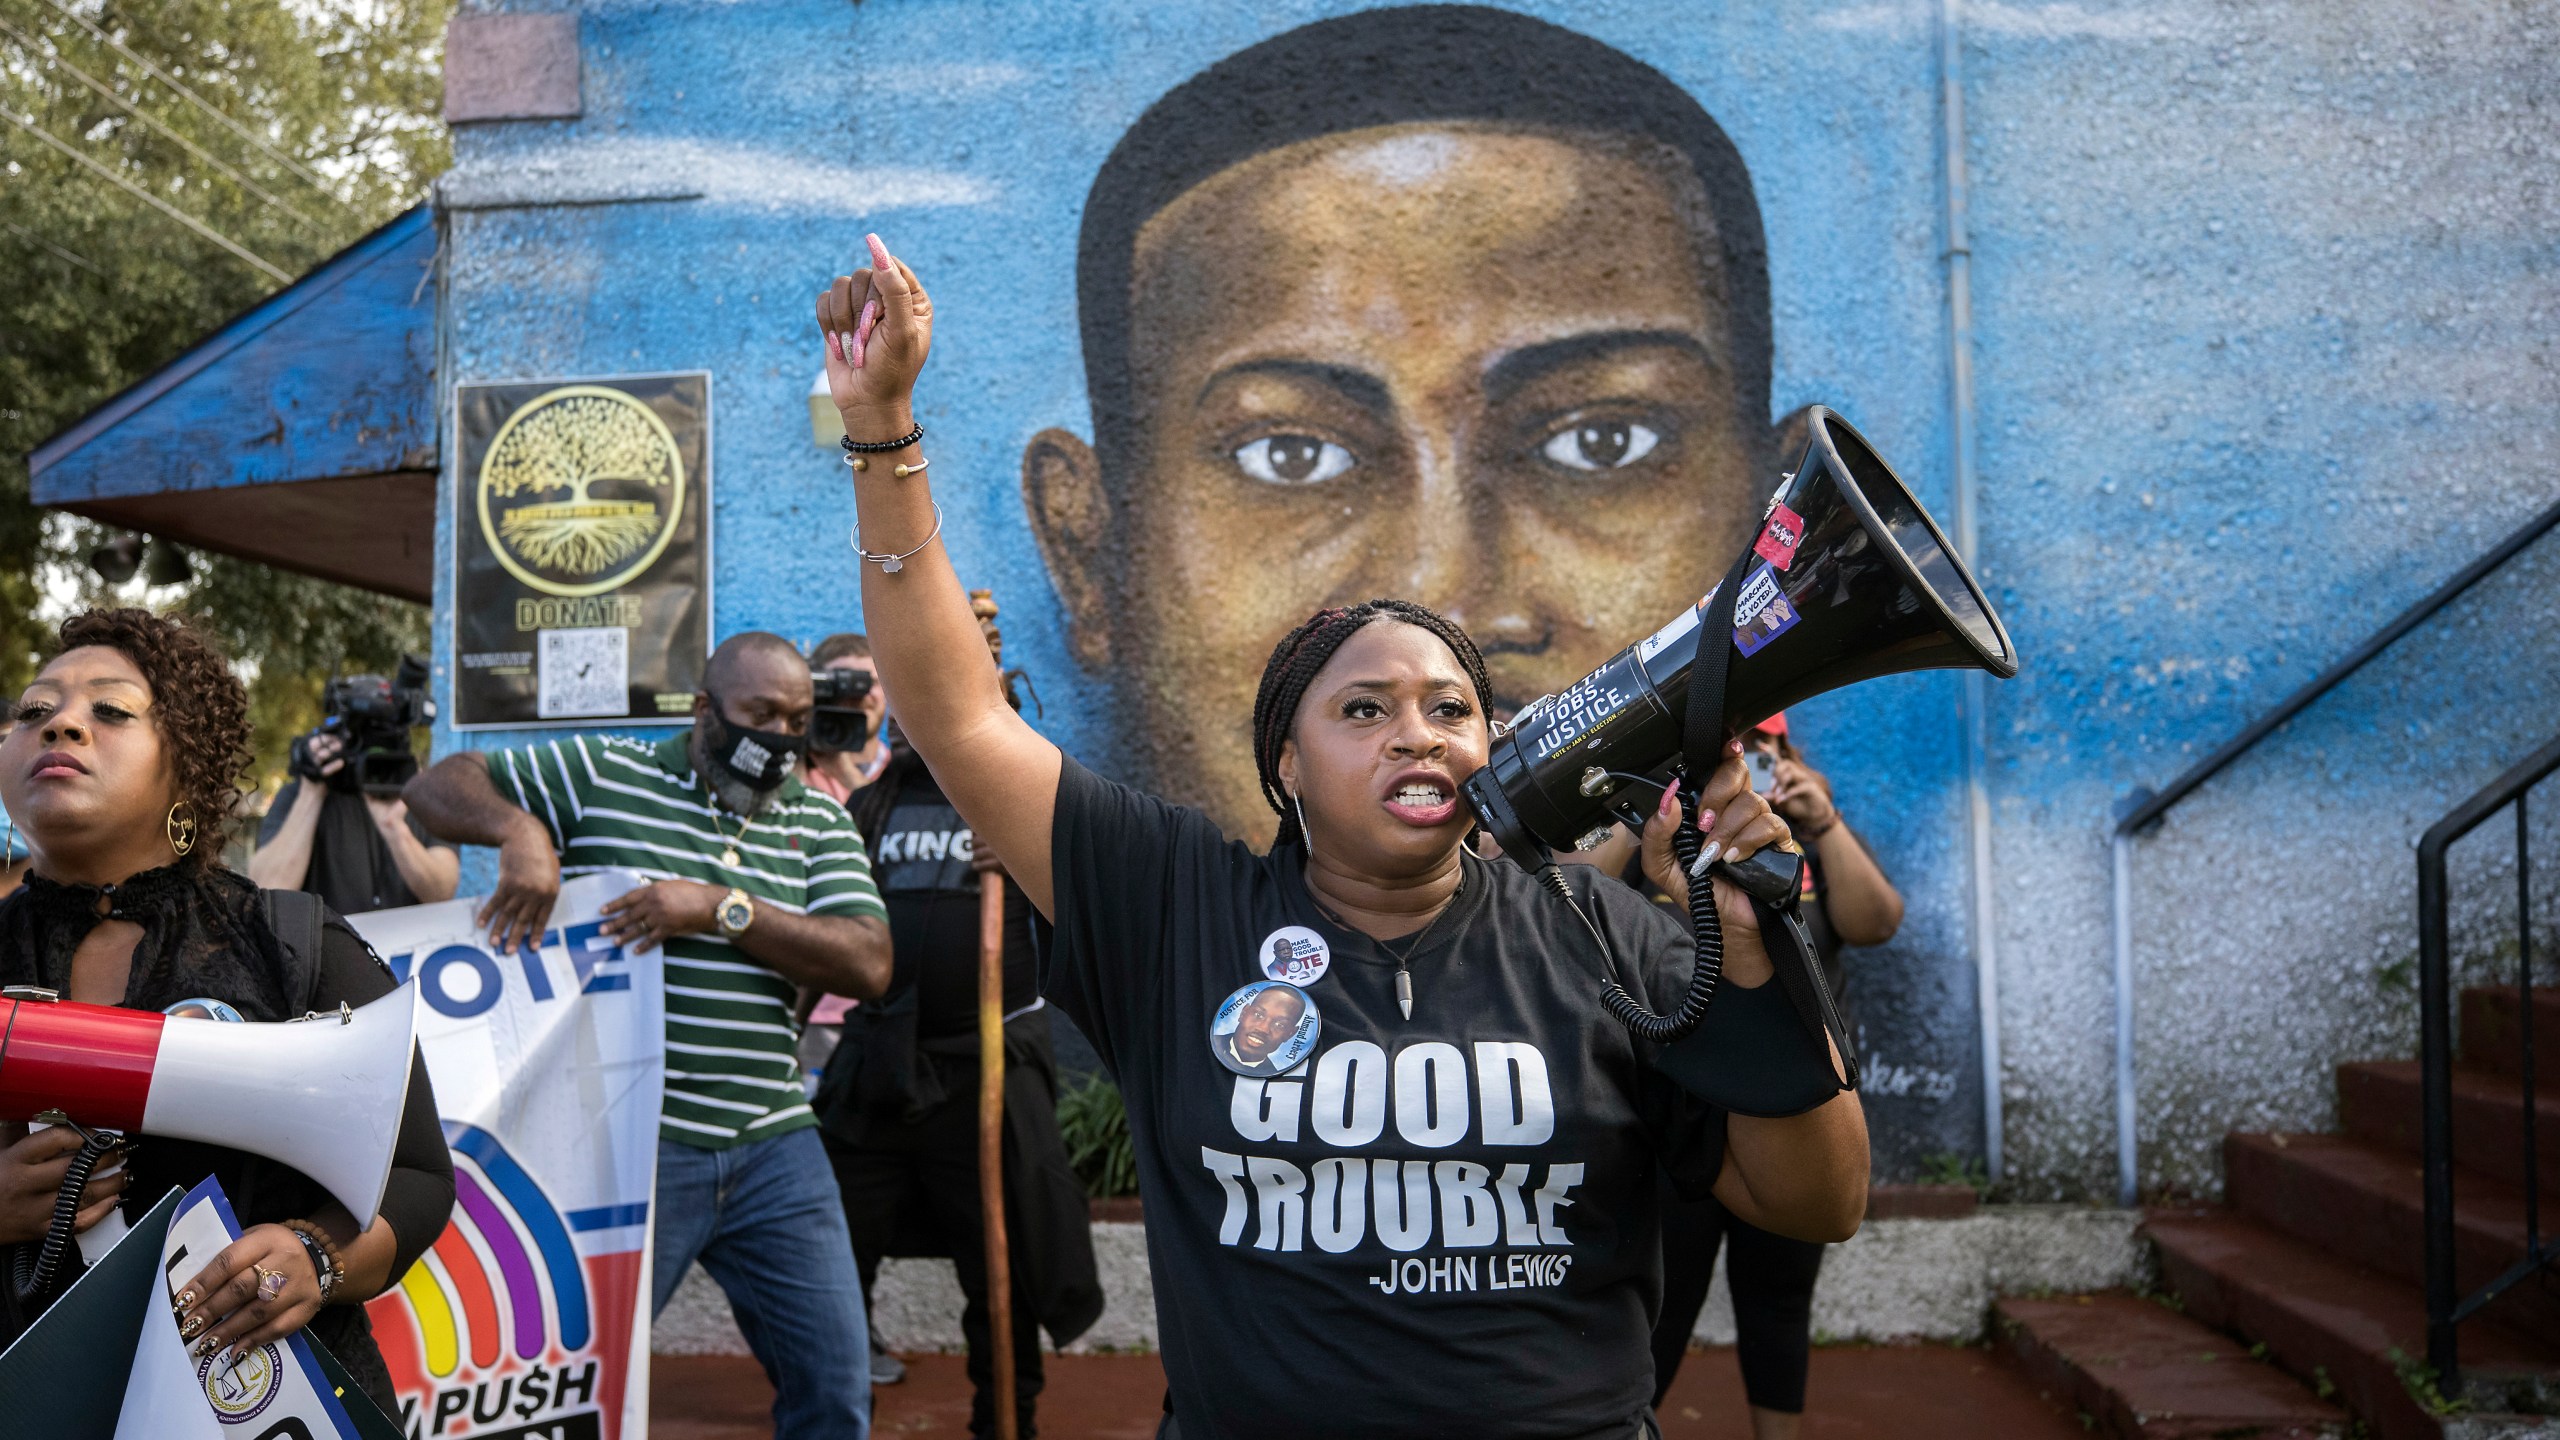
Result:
<point x="839" y="724"/>
<point x="372" y="717"/>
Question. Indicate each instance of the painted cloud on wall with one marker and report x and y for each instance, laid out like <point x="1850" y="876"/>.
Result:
<point x="719" y="173"/>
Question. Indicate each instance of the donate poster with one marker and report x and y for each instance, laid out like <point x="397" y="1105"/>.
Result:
<point x="528" y="1319"/>
<point x="582" y="566"/>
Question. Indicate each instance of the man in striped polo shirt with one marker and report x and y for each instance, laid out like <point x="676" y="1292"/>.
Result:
<point x="759" y="885"/>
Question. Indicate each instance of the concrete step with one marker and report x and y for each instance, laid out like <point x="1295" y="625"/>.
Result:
<point x="2359" y="1337"/>
<point x="2493" y="1030"/>
<point x="2378" y="1101"/>
<point x="2136" y="1369"/>
<point x="2362" y="1203"/>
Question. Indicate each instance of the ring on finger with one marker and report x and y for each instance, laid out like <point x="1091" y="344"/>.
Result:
<point x="271" y="1283"/>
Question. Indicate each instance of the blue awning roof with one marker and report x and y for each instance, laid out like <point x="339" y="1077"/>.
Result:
<point x="302" y="434"/>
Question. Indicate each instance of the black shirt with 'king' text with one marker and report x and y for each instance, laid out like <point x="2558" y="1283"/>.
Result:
<point x="1443" y="1225"/>
<point x="922" y="864"/>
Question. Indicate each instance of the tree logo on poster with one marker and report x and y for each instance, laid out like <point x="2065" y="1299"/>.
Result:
<point x="580" y="490"/>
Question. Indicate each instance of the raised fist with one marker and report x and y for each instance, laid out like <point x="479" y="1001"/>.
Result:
<point x="877" y="325"/>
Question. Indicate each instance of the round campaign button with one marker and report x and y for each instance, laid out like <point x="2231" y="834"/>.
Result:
<point x="1296" y="954"/>
<point x="1264" y="1029"/>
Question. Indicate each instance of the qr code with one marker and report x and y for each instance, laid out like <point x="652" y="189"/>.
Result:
<point x="584" y="673"/>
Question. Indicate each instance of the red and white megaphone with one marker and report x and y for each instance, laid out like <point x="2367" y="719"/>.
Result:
<point x="321" y="1095"/>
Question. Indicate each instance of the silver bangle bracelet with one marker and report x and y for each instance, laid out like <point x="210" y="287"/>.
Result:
<point x="859" y="462"/>
<point x="892" y="564"/>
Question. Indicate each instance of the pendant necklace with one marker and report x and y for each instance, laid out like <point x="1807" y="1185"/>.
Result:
<point x="729" y="854"/>
<point x="1412" y="943"/>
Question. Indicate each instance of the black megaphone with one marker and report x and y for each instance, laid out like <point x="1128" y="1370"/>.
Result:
<point x="1846" y="579"/>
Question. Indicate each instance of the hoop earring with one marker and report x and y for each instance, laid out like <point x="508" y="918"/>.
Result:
<point x="182" y="829"/>
<point x="1306" y="836"/>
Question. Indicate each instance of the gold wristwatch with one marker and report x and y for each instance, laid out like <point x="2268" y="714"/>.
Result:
<point x="735" y="913"/>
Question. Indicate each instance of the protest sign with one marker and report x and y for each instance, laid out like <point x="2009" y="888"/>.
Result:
<point x="270" y="1391"/>
<point x="528" y="1318"/>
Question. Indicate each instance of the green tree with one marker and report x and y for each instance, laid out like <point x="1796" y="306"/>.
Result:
<point x="286" y="129"/>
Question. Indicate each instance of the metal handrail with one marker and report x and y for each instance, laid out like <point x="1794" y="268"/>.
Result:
<point x="2435" y="1059"/>
<point x="2144" y="811"/>
<point x="2143" y="807"/>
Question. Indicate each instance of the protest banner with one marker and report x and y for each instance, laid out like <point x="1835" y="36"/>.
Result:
<point x="528" y="1319"/>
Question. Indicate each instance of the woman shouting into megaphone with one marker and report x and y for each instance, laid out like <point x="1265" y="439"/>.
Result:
<point x="1399" y="1163"/>
<point x="121" y="770"/>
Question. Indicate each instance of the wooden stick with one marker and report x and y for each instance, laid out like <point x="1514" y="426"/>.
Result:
<point x="991" y="1139"/>
<point x="991" y="1094"/>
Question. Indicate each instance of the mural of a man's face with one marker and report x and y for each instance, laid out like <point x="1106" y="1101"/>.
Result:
<point x="1479" y="366"/>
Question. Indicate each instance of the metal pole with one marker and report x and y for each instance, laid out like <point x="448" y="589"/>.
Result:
<point x="2524" y="1026"/>
<point x="2435" y="1073"/>
<point x="991" y="1141"/>
<point x="1977" y="692"/>
<point x="2128" y="1159"/>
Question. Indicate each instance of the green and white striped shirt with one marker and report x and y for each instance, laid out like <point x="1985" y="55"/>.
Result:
<point x="610" y="802"/>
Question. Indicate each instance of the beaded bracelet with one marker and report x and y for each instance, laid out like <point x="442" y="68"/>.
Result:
<point x="881" y="447"/>
<point x="325" y="1261"/>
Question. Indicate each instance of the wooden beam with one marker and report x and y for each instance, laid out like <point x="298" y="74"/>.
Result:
<point x="375" y="532"/>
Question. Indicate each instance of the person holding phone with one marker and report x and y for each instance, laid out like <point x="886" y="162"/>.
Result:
<point x="1846" y="901"/>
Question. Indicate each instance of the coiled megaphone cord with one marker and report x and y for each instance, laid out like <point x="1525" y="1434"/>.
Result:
<point x="1707" y="934"/>
<point x="38" y="1264"/>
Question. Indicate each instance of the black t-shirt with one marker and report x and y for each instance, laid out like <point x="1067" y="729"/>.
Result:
<point x="1431" y="1226"/>
<point x="351" y="865"/>
<point x="921" y="863"/>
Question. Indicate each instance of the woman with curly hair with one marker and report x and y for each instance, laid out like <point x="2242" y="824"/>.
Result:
<point x="124" y="762"/>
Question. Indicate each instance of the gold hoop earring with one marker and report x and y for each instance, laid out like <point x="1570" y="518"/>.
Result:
<point x="182" y="829"/>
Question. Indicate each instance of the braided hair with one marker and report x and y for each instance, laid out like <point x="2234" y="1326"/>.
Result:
<point x="1304" y="651"/>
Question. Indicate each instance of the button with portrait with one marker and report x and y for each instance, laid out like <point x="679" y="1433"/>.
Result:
<point x="1296" y="954"/>
<point x="1264" y="1029"/>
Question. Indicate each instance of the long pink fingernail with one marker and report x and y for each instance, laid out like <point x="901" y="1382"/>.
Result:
<point x="879" y="252"/>
<point x="862" y="331"/>
<point x="1706" y="821"/>
<point x="1670" y="799"/>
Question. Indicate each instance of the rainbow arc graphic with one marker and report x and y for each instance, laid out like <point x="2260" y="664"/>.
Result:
<point x="503" y="1276"/>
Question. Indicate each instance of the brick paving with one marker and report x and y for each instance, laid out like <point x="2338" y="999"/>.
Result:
<point x="1859" y="1392"/>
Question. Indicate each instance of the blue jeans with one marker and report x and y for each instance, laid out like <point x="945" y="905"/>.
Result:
<point x="765" y="1219"/>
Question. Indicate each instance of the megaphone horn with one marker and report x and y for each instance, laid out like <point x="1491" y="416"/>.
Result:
<point x="1847" y="579"/>
<point x="322" y="1095"/>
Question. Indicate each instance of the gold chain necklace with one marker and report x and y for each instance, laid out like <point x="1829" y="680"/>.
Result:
<point x="728" y="855"/>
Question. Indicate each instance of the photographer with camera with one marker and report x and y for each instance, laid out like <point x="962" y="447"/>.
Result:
<point x="847" y="745"/>
<point x="339" y="828"/>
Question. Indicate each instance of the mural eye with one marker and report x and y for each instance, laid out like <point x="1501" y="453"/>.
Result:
<point x="1292" y="459"/>
<point x="1601" y="445"/>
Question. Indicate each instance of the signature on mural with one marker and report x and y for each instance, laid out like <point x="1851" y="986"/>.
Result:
<point x="1447" y="304"/>
<point x="1881" y="1076"/>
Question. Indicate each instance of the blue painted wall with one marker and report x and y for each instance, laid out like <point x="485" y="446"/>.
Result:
<point x="2263" y="302"/>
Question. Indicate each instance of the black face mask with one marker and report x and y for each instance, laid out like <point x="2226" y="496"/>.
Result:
<point x="758" y="759"/>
